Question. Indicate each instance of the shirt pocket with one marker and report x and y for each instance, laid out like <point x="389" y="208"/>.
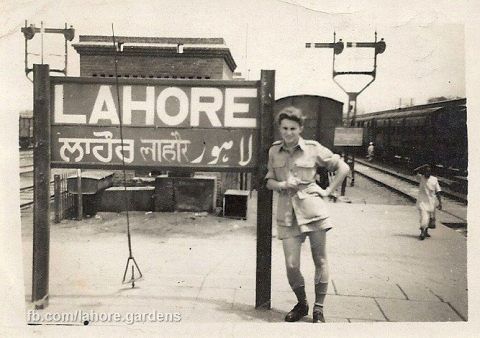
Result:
<point x="280" y="168"/>
<point x="305" y="170"/>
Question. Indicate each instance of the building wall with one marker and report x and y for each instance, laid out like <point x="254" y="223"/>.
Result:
<point x="227" y="73"/>
<point x="155" y="67"/>
<point x="160" y="62"/>
<point x="156" y="57"/>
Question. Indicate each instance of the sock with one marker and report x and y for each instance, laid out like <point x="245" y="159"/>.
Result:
<point x="300" y="293"/>
<point x="318" y="307"/>
<point x="320" y="293"/>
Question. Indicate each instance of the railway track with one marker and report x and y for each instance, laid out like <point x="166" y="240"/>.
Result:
<point x="26" y="170"/>
<point x="454" y="192"/>
<point x="455" y="205"/>
<point x="26" y="195"/>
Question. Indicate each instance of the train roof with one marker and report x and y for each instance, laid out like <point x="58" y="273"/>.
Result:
<point x="419" y="110"/>
<point x="399" y="114"/>
<point x="309" y="95"/>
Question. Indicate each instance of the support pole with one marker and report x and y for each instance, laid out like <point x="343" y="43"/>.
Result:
<point x="263" y="288"/>
<point x="352" y="97"/>
<point x="57" y="197"/>
<point x="79" y="195"/>
<point x="241" y="181"/>
<point x="41" y="183"/>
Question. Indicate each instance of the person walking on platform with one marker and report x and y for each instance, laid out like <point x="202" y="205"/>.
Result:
<point x="428" y="199"/>
<point x="301" y="210"/>
<point x="370" y="151"/>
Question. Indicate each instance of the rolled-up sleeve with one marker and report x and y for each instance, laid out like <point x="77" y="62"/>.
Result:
<point x="326" y="158"/>
<point x="270" y="172"/>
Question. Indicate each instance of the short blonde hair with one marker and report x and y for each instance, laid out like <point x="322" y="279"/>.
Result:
<point x="291" y="113"/>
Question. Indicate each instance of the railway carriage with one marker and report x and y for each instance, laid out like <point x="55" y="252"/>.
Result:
<point x="433" y="133"/>
<point x="25" y="131"/>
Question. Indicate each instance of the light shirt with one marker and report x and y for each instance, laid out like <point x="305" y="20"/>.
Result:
<point x="370" y="150"/>
<point x="302" y="162"/>
<point x="427" y="199"/>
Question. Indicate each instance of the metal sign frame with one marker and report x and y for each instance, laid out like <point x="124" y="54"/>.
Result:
<point x="221" y="144"/>
<point x="348" y="137"/>
<point x="43" y="109"/>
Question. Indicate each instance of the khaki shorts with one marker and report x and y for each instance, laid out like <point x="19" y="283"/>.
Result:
<point x="296" y="230"/>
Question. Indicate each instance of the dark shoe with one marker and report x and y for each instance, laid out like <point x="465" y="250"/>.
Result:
<point x="300" y="310"/>
<point x="426" y="233"/>
<point x="422" y="234"/>
<point x="318" y="315"/>
<point x="432" y="224"/>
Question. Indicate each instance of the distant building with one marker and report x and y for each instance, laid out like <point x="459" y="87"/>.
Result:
<point x="160" y="58"/>
<point x="156" y="57"/>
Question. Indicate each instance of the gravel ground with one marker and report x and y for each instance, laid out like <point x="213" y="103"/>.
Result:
<point x="199" y="225"/>
<point x="368" y="192"/>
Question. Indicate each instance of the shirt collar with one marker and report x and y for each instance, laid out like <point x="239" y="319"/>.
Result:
<point x="300" y="144"/>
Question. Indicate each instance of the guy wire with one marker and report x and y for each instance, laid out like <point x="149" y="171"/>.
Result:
<point x="122" y="144"/>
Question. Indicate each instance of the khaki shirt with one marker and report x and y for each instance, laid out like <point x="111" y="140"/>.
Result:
<point x="301" y="162"/>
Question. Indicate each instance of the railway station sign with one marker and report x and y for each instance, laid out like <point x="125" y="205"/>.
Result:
<point x="111" y="123"/>
<point x="348" y="137"/>
<point x="176" y="123"/>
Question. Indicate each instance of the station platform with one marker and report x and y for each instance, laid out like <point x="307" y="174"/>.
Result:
<point x="203" y="268"/>
<point x="445" y="183"/>
<point x="457" y="210"/>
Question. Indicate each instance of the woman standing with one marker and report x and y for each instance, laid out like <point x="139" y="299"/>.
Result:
<point x="301" y="211"/>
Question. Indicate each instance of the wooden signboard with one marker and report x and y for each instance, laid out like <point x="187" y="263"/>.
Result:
<point x="202" y="125"/>
<point x="108" y="123"/>
<point x="348" y="137"/>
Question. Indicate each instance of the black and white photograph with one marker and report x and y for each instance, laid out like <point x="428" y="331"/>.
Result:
<point x="225" y="168"/>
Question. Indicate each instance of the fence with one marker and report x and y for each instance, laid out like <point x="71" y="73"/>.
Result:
<point x="64" y="203"/>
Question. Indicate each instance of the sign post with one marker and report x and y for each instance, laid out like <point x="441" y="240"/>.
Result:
<point x="41" y="185"/>
<point x="348" y="137"/>
<point x="263" y="288"/>
<point x="192" y="125"/>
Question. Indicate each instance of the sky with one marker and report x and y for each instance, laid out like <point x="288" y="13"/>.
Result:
<point x="424" y="58"/>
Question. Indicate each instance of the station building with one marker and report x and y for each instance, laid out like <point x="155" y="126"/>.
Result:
<point x="156" y="57"/>
<point x="162" y="58"/>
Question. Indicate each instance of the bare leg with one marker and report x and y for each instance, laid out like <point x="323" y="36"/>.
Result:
<point x="318" y="241"/>
<point x="424" y="220"/>
<point x="291" y="249"/>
